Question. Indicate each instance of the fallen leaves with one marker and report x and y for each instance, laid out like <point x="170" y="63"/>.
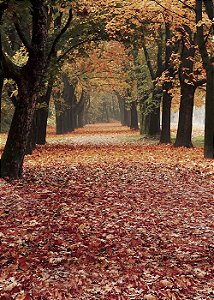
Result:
<point x="117" y="221"/>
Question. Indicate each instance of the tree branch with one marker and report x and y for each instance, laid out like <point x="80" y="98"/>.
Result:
<point x="200" y="35"/>
<point x="58" y="37"/>
<point x="73" y="47"/>
<point x="209" y="6"/>
<point x="200" y="82"/>
<point x="11" y="71"/>
<point x="148" y="61"/>
<point x="186" y="5"/>
<point x="21" y="35"/>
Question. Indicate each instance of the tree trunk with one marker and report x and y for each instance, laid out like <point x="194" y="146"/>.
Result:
<point x="80" y="109"/>
<point x="15" y="148"/>
<point x="188" y="87"/>
<point x="59" y="119"/>
<point x="41" y="125"/>
<point x="66" y="111"/>
<point x="127" y="117"/>
<point x="42" y="115"/>
<point x="184" y="132"/>
<point x="165" y="137"/>
<point x="134" y="116"/>
<point x="31" y="144"/>
<point x="209" y="114"/>
<point x="208" y="63"/>
<point x="151" y="119"/>
<point x="1" y="87"/>
<point x="28" y="79"/>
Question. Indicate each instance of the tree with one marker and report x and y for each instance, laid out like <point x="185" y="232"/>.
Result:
<point x="165" y="136"/>
<point x="205" y="44"/>
<point x="29" y="76"/>
<point x="189" y="81"/>
<point x="28" y="79"/>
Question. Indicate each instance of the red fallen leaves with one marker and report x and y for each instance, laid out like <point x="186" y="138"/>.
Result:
<point x="125" y="221"/>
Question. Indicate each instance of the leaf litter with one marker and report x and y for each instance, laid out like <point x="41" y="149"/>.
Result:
<point x="108" y="221"/>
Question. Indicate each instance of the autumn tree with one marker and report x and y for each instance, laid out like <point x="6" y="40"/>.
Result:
<point x="41" y="49"/>
<point x="28" y="79"/>
<point x="205" y="31"/>
<point x="182" y="63"/>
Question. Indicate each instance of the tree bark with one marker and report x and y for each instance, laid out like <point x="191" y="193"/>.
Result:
<point x="184" y="132"/>
<point x="208" y="63"/>
<point x="151" y="119"/>
<point x="165" y="137"/>
<point x="15" y="148"/>
<point x="209" y="114"/>
<point x="66" y="115"/>
<point x="1" y="87"/>
<point x="31" y="143"/>
<point x="134" y="116"/>
<point x="125" y="114"/>
<point x="81" y="108"/>
<point x="42" y="115"/>
<point x="188" y="86"/>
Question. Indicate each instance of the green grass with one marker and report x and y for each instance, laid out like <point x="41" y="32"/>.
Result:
<point x="198" y="141"/>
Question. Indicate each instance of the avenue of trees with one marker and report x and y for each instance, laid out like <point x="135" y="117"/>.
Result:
<point x="139" y="56"/>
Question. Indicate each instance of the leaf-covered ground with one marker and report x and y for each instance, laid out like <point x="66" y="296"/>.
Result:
<point x="99" y="214"/>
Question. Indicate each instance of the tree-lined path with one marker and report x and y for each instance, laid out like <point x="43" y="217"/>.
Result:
<point x="117" y="218"/>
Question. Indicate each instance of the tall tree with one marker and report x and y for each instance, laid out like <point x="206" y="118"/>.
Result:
<point x="28" y="79"/>
<point x="189" y="81"/>
<point x="205" y="43"/>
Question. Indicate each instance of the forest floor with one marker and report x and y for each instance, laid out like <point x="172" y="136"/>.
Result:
<point x="104" y="214"/>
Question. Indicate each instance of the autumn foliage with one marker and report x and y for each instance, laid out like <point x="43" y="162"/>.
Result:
<point x="107" y="216"/>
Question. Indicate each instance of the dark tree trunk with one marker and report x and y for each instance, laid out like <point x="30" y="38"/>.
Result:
<point x="81" y="108"/>
<point x="28" y="79"/>
<point x="124" y="113"/>
<point x="66" y="116"/>
<point x="42" y="115"/>
<point x="16" y="145"/>
<point x="41" y="125"/>
<point x="59" y="122"/>
<point x="127" y="117"/>
<point x="165" y="137"/>
<point x="151" y="123"/>
<point x="1" y="87"/>
<point x="151" y="119"/>
<point x="184" y="132"/>
<point x="188" y="87"/>
<point x="1" y="63"/>
<point x="134" y="116"/>
<point x="209" y="114"/>
<point x="208" y="63"/>
<point x="31" y="144"/>
<point x="80" y="123"/>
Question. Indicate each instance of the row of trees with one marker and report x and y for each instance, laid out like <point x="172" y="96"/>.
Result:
<point x="144" y="50"/>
